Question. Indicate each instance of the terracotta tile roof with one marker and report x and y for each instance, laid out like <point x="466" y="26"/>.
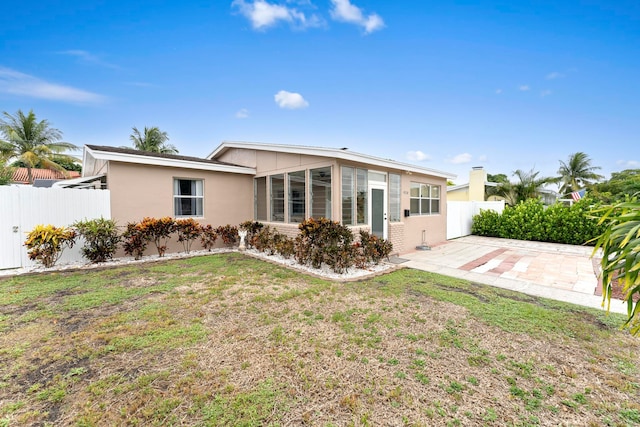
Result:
<point x="21" y="176"/>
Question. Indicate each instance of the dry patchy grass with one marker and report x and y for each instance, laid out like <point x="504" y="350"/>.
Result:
<point x="230" y="340"/>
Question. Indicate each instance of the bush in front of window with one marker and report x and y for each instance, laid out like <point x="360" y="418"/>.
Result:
<point x="188" y="230"/>
<point x="229" y="234"/>
<point x="252" y="228"/>
<point x="158" y="231"/>
<point x="101" y="238"/>
<point x="322" y="241"/>
<point x="208" y="237"/>
<point x="134" y="240"/>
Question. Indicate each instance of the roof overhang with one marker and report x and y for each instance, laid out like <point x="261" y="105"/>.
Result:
<point x="82" y="182"/>
<point x="160" y="161"/>
<point x="342" y="154"/>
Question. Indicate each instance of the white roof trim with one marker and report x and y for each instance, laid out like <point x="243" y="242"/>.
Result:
<point x="328" y="152"/>
<point x="160" y="161"/>
<point x="75" y="181"/>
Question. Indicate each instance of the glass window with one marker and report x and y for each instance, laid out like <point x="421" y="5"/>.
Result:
<point x="425" y="199"/>
<point x="377" y="176"/>
<point x="188" y="197"/>
<point x="277" y="198"/>
<point x="348" y="188"/>
<point x="321" y="193"/>
<point x="363" y="190"/>
<point x="260" y="198"/>
<point x="394" y="198"/>
<point x="297" y="191"/>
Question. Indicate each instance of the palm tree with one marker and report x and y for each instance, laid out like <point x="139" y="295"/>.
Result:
<point x="577" y="173"/>
<point x="528" y="186"/>
<point x="33" y="142"/>
<point x="152" y="139"/>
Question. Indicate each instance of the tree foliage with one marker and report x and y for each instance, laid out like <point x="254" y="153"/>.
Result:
<point x="33" y="142"/>
<point x="577" y="173"/>
<point x="620" y="244"/>
<point x="152" y="139"/>
<point x="621" y="185"/>
<point x="527" y="186"/>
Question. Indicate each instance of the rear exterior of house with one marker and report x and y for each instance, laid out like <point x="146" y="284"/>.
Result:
<point x="278" y="185"/>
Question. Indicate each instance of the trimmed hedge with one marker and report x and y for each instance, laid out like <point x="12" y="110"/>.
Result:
<point x="530" y="220"/>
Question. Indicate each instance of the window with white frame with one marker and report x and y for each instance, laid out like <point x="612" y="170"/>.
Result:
<point x="425" y="199"/>
<point x="394" y="197"/>
<point x="188" y="197"/>
<point x="354" y="196"/>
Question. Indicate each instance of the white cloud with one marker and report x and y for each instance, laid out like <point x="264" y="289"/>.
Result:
<point x="524" y="88"/>
<point x="290" y="100"/>
<point x="417" y="156"/>
<point x="263" y="14"/>
<point x="243" y="113"/>
<point x="483" y="158"/>
<point x="87" y="57"/>
<point x="17" y="83"/>
<point x="461" y="158"/>
<point x="545" y="92"/>
<point x="631" y="164"/>
<point x="554" y="75"/>
<point x="344" y="11"/>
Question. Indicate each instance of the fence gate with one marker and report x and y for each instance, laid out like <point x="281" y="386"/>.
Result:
<point x="22" y="208"/>
<point x="460" y="215"/>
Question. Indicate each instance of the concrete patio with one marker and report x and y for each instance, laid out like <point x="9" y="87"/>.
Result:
<point x="556" y="271"/>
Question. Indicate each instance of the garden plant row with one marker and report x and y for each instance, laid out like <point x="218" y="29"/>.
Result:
<point x="319" y="242"/>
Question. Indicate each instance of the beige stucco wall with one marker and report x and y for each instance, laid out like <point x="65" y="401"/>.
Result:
<point x="144" y="190"/>
<point x="405" y="235"/>
<point x="459" y="195"/>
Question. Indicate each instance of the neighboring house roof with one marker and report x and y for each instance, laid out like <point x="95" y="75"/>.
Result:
<point x="21" y="175"/>
<point x="462" y="186"/>
<point x="338" y="153"/>
<point x="129" y="155"/>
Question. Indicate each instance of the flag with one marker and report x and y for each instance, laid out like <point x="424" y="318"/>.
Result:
<point x="577" y="195"/>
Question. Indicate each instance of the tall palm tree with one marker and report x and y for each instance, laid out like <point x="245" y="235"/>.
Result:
<point x="528" y="186"/>
<point x="33" y="142"/>
<point x="577" y="173"/>
<point x="152" y="139"/>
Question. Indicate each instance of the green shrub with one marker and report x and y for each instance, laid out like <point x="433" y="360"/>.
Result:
<point x="530" y="220"/>
<point x="188" y="230"/>
<point x="208" y="237"/>
<point x="135" y="240"/>
<point x="101" y="238"/>
<point x="486" y="223"/>
<point x="46" y="243"/>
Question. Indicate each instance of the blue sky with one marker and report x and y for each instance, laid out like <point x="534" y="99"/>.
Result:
<point x="504" y="85"/>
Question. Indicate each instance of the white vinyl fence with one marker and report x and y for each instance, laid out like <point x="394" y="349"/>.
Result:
<point x="22" y="208"/>
<point x="460" y="214"/>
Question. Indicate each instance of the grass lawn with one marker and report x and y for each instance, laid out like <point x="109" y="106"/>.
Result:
<point x="230" y="340"/>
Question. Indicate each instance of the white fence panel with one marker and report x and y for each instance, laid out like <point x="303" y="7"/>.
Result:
<point x="33" y="206"/>
<point x="460" y="215"/>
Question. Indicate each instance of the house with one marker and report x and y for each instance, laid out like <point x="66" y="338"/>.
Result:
<point x="476" y="189"/>
<point x="278" y="185"/>
<point x="41" y="177"/>
<point x="473" y="191"/>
